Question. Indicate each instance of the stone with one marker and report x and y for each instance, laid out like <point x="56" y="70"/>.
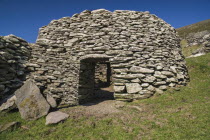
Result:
<point x="9" y="126"/>
<point x="159" y="91"/>
<point x="31" y="103"/>
<point x="144" y="85"/>
<point x="159" y="83"/>
<point x="159" y="67"/>
<point x="56" y="117"/>
<point x="52" y="102"/>
<point x="136" y="80"/>
<point x="137" y="69"/>
<point x="163" y="87"/>
<point x="71" y="42"/>
<point x="119" y="88"/>
<point x="167" y="73"/>
<point x="151" y="88"/>
<point x="9" y="104"/>
<point x="149" y="79"/>
<point x="133" y="87"/>
<point x="129" y="76"/>
<point x="119" y="104"/>
<point x="42" y="41"/>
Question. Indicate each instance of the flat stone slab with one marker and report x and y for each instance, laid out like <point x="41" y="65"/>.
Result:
<point x="56" y="117"/>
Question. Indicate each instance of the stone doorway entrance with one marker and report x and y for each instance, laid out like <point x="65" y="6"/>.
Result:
<point x="95" y="80"/>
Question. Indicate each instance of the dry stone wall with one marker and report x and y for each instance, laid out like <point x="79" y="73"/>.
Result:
<point x="143" y="52"/>
<point x="14" y="53"/>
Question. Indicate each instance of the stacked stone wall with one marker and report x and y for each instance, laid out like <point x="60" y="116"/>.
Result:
<point x="143" y="51"/>
<point x="14" y="53"/>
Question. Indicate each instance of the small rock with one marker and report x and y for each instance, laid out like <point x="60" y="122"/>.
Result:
<point x="51" y="101"/>
<point x="119" y="104"/>
<point x="9" y="126"/>
<point x="159" y="91"/>
<point x="56" y="117"/>
<point x="9" y="104"/>
<point x="163" y="87"/>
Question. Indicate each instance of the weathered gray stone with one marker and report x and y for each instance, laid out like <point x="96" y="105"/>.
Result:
<point x="167" y="73"/>
<point x="42" y="41"/>
<point x="31" y="104"/>
<point x="136" y="80"/>
<point x="140" y="70"/>
<point x="56" y="117"/>
<point x="160" y="83"/>
<point x="130" y="76"/>
<point x="119" y="88"/>
<point x="149" y="79"/>
<point x="159" y="91"/>
<point x="133" y="87"/>
<point x="71" y="42"/>
<point x="163" y="87"/>
<point x="144" y="85"/>
<point x="51" y="101"/>
<point x="9" y="104"/>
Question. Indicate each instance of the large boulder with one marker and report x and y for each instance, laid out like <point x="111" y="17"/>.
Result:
<point x="56" y="117"/>
<point x="31" y="104"/>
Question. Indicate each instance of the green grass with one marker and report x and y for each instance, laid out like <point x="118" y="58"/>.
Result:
<point x="174" y="115"/>
<point x="194" y="28"/>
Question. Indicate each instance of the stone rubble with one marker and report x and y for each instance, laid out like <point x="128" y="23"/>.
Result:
<point x="204" y="49"/>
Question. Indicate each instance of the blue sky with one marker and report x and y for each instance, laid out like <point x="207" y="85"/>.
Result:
<point x="23" y="18"/>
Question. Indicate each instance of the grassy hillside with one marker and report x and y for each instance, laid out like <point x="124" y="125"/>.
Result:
<point x="193" y="28"/>
<point x="175" y="115"/>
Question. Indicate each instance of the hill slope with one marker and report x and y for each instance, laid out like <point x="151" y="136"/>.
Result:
<point x="178" y="115"/>
<point x="194" y="28"/>
<point x="194" y="37"/>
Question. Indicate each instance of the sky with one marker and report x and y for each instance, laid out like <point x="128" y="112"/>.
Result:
<point x="23" y="18"/>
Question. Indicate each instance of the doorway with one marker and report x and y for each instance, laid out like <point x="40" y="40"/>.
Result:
<point x="95" y="80"/>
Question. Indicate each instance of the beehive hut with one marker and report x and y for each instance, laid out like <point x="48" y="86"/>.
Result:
<point x="141" y="53"/>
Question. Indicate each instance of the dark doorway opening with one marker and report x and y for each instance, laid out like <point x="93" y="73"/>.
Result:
<point x="95" y="82"/>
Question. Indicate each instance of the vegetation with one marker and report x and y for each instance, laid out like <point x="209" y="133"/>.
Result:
<point x="174" y="115"/>
<point x="194" y="28"/>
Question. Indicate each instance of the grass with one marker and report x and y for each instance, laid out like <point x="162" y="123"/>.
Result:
<point x="173" y="115"/>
